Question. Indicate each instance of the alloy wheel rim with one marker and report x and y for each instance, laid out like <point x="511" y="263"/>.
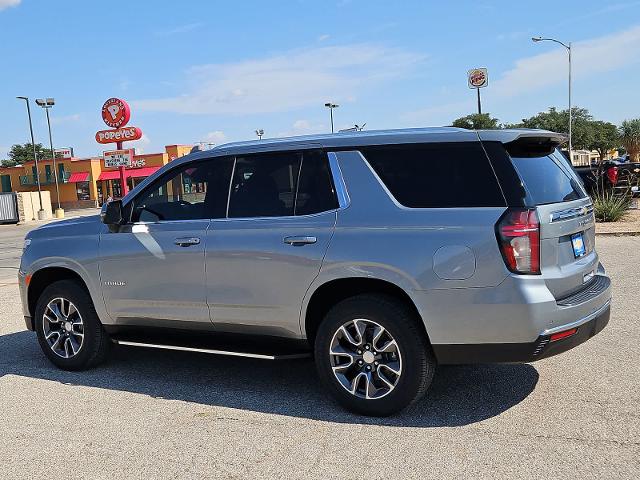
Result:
<point x="365" y="359"/>
<point x="63" y="327"/>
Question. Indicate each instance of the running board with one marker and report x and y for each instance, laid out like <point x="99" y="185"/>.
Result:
<point x="261" y="356"/>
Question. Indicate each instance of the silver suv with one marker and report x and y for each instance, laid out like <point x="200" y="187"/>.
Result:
<point x="382" y="254"/>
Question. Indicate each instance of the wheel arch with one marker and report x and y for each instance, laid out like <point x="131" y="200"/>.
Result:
<point x="44" y="277"/>
<point x="333" y="291"/>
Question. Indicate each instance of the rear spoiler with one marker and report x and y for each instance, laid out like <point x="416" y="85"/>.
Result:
<point x="525" y="143"/>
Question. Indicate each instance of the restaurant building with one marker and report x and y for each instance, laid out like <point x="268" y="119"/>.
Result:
<point x="84" y="182"/>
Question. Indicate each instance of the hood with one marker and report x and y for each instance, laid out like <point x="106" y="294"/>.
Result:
<point x="68" y="227"/>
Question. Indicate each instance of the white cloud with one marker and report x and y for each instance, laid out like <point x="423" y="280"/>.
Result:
<point x="9" y="3"/>
<point x="603" y="54"/>
<point x="217" y="136"/>
<point x="303" y="127"/>
<point x="140" y="145"/>
<point x="287" y="81"/>
<point x="324" y="37"/>
<point x="181" y="29"/>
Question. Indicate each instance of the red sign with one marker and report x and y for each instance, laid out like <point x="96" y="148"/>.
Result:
<point x="125" y="134"/>
<point x="116" y="113"/>
<point x="478" y="78"/>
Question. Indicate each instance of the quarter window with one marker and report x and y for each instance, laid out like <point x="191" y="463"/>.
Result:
<point x="192" y="191"/>
<point x="443" y="175"/>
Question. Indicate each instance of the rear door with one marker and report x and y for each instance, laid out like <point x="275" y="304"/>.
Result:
<point x="568" y="258"/>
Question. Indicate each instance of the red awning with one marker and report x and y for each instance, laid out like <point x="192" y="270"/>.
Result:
<point x="78" y="177"/>
<point x="141" y="172"/>
<point x="134" y="172"/>
<point x="110" y="175"/>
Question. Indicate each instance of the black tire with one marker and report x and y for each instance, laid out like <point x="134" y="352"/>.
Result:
<point x="418" y="362"/>
<point x="96" y="343"/>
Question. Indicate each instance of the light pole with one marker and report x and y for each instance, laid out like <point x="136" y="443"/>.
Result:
<point x="331" y="106"/>
<point x="260" y="133"/>
<point x="41" y="213"/>
<point x="47" y="103"/>
<point x="568" y="47"/>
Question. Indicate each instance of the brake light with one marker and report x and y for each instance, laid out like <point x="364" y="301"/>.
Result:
<point x="612" y="175"/>
<point x="518" y="232"/>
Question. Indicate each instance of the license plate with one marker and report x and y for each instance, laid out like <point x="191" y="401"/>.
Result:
<point x="577" y="241"/>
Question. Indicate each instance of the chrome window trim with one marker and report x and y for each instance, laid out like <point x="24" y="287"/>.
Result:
<point x="338" y="181"/>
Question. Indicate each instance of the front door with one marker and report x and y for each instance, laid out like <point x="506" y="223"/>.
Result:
<point x="261" y="260"/>
<point x="152" y="269"/>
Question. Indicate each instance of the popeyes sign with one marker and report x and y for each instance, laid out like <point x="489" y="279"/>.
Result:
<point x="119" y="135"/>
<point x="116" y="114"/>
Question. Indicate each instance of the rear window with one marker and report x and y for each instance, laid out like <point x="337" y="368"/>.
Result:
<point x="548" y="179"/>
<point x="443" y="175"/>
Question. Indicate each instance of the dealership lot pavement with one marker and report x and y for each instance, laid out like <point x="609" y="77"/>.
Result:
<point x="149" y="414"/>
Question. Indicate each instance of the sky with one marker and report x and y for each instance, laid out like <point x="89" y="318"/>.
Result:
<point x="213" y="71"/>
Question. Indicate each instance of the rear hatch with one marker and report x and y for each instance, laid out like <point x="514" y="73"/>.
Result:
<point x="568" y="260"/>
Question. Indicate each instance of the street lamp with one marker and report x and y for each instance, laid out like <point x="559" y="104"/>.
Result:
<point x="568" y="47"/>
<point x="260" y="133"/>
<point x="331" y="106"/>
<point x="47" y="103"/>
<point x="41" y="213"/>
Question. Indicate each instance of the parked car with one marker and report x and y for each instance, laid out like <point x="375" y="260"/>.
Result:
<point x="616" y="175"/>
<point x="382" y="254"/>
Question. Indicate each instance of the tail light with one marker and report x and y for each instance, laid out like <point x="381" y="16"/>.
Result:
<point x="612" y="175"/>
<point x="518" y="232"/>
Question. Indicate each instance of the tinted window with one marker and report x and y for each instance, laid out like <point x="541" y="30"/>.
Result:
<point x="547" y="179"/>
<point x="315" y="189"/>
<point x="442" y="175"/>
<point x="265" y="185"/>
<point x="192" y="191"/>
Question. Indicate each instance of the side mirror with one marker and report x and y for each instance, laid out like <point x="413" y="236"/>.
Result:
<point x="111" y="213"/>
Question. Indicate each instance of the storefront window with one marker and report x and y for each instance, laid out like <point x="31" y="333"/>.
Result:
<point x="82" y="189"/>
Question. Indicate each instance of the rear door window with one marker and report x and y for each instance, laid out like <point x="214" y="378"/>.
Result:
<point x="315" y="189"/>
<point x="442" y="175"/>
<point x="548" y="180"/>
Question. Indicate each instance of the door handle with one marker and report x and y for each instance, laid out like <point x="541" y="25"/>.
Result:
<point x="302" y="240"/>
<point x="187" y="241"/>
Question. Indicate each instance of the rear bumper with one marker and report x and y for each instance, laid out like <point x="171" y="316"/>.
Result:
<point x="542" y="347"/>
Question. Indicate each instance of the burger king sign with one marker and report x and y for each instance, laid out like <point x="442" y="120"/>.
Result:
<point x="478" y="78"/>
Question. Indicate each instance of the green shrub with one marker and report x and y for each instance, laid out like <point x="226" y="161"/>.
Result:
<point x="609" y="207"/>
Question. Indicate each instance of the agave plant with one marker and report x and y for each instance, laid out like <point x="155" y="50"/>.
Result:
<point x="609" y="207"/>
<point x="630" y="137"/>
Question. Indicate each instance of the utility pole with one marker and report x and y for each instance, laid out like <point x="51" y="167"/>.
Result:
<point x="568" y="48"/>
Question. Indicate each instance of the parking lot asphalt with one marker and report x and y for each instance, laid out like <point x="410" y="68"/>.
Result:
<point x="152" y="414"/>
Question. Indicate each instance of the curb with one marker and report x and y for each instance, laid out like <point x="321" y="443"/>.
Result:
<point x="618" y="234"/>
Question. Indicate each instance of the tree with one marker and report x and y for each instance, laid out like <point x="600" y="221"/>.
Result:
<point x="630" y="138"/>
<point x="476" y="121"/>
<point x="20" y="154"/>
<point x="604" y="136"/>
<point x="558" y="121"/>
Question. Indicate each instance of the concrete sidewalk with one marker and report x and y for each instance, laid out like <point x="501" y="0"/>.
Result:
<point x="629" y="225"/>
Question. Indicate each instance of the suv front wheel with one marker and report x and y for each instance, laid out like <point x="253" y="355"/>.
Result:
<point x="373" y="356"/>
<point x="69" y="331"/>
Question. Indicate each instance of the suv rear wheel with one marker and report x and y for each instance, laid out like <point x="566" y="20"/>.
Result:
<point x="373" y="356"/>
<point x="69" y="331"/>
